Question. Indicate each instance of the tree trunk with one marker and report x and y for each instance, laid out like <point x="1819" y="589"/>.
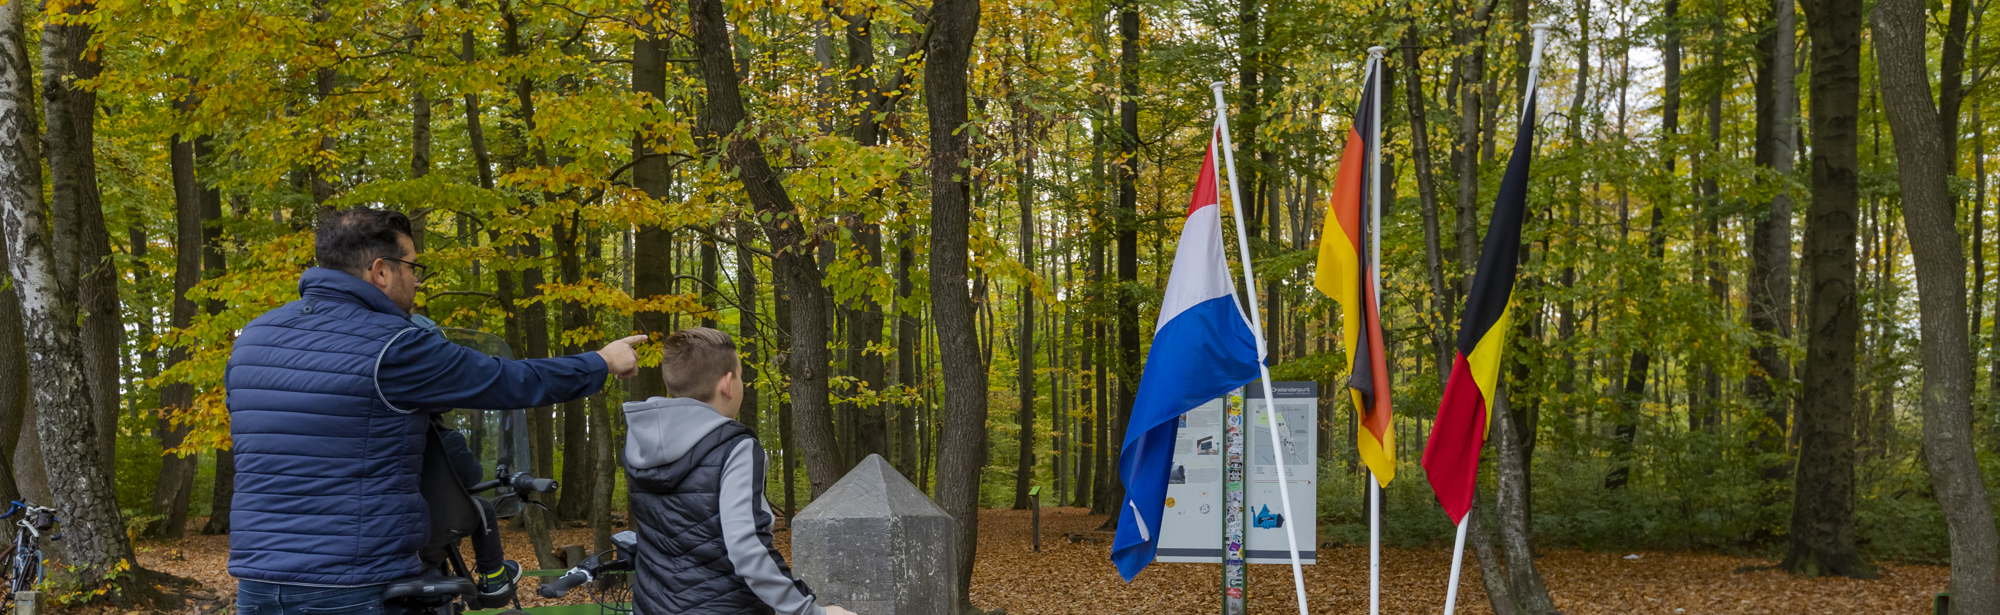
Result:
<point x="747" y="335"/>
<point x="1126" y="217"/>
<point x="221" y="500"/>
<point x="82" y="243"/>
<point x="1087" y="408"/>
<point x="15" y="390"/>
<point x="955" y="24"/>
<point x="1249" y="114"/>
<point x="534" y="319"/>
<point x="1465" y="158"/>
<point x="604" y="470"/>
<point x="66" y="411"/>
<point x="1770" y="309"/>
<point x="1492" y="574"/>
<point x="653" y="245"/>
<point x="808" y="362"/>
<point x="865" y="318"/>
<point x="577" y="470"/>
<point x="781" y="315"/>
<point x="1822" y="531"/>
<point x="1529" y="593"/>
<point x="1640" y="367"/>
<point x="176" y="480"/>
<point x="1024" y="355"/>
<point x="1420" y="151"/>
<point x="908" y="336"/>
<point x="1925" y="161"/>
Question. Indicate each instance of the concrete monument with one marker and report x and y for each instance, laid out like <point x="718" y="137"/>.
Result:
<point x="875" y="544"/>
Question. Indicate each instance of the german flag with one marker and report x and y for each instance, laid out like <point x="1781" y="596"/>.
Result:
<point x="1346" y="275"/>
<point x="1451" y="458"/>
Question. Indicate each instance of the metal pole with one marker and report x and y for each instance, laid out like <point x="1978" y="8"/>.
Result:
<point x="1257" y="332"/>
<point x="1373" y="78"/>
<point x="1458" y="551"/>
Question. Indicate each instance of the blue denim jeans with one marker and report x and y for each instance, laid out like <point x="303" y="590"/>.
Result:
<point x="261" y="598"/>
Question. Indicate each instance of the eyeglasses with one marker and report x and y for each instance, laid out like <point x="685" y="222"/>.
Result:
<point x="421" y="271"/>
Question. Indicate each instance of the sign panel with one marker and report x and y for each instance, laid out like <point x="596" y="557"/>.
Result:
<point x="1191" y="524"/>
<point x="1191" y="529"/>
<point x="1298" y="415"/>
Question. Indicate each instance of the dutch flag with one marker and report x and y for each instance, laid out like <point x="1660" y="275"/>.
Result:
<point x="1203" y="347"/>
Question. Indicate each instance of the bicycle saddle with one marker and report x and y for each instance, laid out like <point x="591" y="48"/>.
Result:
<point x="433" y="586"/>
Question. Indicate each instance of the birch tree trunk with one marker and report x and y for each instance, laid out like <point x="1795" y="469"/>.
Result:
<point x="84" y="491"/>
<point x="82" y="243"/>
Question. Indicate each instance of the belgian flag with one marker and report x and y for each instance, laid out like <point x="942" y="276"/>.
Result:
<point x="1451" y="458"/>
<point x="1347" y="276"/>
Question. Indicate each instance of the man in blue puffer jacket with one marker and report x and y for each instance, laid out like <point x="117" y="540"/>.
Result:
<point x="329" y="397"/>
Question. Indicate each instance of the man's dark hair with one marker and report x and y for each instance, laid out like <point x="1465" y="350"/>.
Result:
<point x="351" y="239"/>
<point x="693" y="358"/>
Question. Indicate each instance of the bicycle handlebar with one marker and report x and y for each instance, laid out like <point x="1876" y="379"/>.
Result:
<point x="570" y="580"/>
<point x="528" y="483"/>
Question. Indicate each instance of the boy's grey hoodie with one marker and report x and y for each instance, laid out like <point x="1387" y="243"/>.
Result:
<point x="678" y="499"/>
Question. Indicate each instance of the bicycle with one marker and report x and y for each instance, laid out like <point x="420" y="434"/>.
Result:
<point x="613" y="595"/>
<point x="447" y="583"/>
<point x="24" y="557"/>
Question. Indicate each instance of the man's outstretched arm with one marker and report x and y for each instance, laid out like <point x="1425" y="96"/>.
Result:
<point x="422" y="370"/>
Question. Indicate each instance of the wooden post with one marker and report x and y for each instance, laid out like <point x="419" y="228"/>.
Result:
<point x="1035" y="515"/>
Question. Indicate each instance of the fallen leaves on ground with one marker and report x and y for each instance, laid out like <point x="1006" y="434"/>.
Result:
<point x="1076" y="578"/>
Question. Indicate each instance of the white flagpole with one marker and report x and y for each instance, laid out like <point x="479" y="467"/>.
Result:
<point x="1370" y="78"/>
<point x="1458" y="548"/>
<point x="1257" y="330"/>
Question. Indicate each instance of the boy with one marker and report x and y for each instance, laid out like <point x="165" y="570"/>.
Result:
<point x="697" y="484"/>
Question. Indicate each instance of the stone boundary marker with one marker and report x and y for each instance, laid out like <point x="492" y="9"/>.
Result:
<point x="876" y="545"/>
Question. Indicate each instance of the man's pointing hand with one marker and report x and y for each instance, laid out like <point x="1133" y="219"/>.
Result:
<point x="620" y="359"/>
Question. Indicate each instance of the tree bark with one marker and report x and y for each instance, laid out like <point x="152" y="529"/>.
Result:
<point x="1640" y="367"/>
<point x="747" y="335"/>
<point x="15" y="390"/>
<point x="742" y="152"/>
<point x="1529" y="592"/>
<point x="176" y="480"/>
<point x="1822" y="531"/>
<point x="865" y="317"/>
<point x="1420" y="152"/>
<point x="221" y="499"/>
<point x="1770" y="287"/>
<point x="653" y="245"/>
<point x="1925" y="160"/>
<point x="81" y="238"/>
<point x="66" y="421"/>
<point x="534" y="319"/>
<point x="1126" y="216"/>
<point x="1024" y="355"/>
<point x="578" y="456"/>
<point x="955" y="25"/>
<point x="1466" y="157"/>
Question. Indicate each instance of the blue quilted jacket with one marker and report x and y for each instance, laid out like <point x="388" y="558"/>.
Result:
<point x="328" y="401"/>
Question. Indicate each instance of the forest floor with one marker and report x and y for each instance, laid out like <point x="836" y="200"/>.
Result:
<point x="1077" y="578"/>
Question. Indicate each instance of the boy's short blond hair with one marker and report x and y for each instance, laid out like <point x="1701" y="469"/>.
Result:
<point x="692" y="359"/>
